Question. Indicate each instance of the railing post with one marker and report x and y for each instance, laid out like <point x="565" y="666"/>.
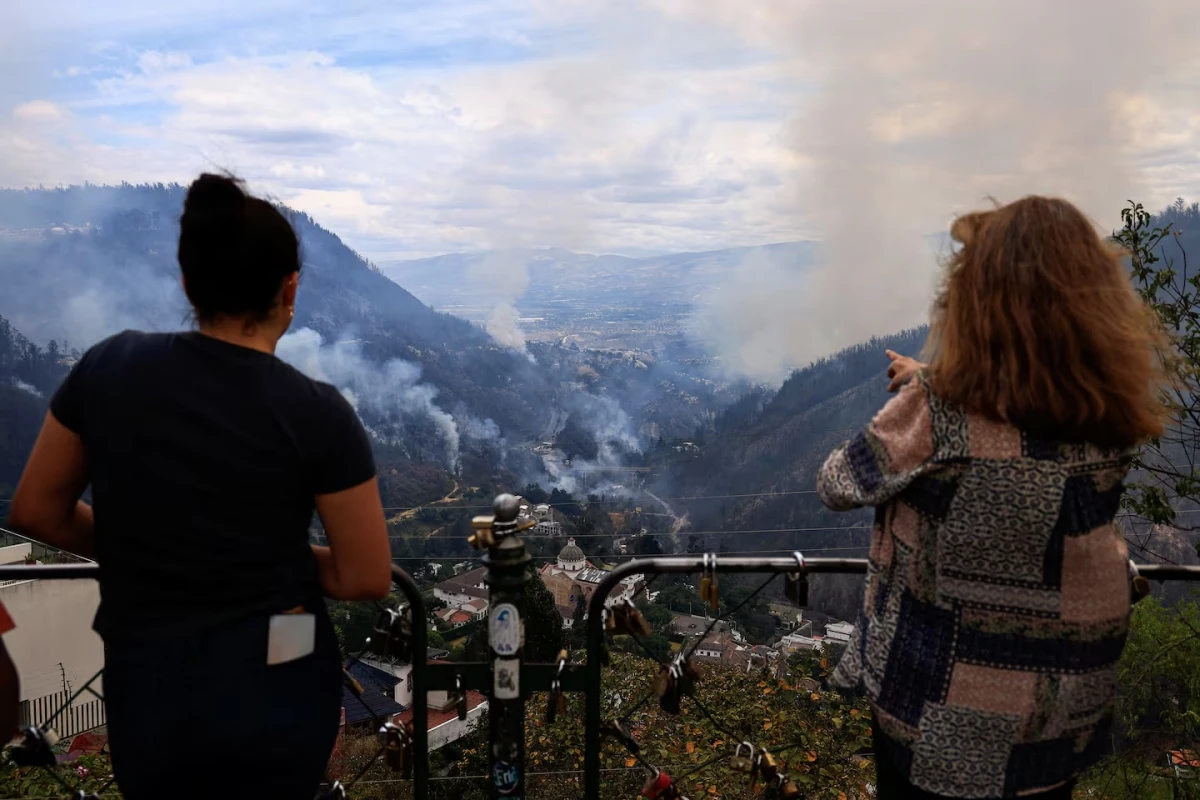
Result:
<point x="507" y="574"/>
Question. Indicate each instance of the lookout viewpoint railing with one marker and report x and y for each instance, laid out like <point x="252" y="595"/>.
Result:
<point x="508" y="680"/>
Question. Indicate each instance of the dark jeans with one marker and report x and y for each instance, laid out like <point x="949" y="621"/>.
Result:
<point x="202" y="715"/>
<point x="891" y="785"/>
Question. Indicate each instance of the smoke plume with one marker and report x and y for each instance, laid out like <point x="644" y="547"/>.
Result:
<point x="386" y="390"/>
<point x="924" y="109"/>
<point x="505" y="277"/>
<point x="26" y="388"/>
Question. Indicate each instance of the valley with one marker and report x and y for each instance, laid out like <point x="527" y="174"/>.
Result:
<point x="608" y="405"/>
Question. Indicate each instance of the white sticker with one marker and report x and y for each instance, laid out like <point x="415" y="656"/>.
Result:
<point x="504" y="629"/>
<point x="506" y="683"/>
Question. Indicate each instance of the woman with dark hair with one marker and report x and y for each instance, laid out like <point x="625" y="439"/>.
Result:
<point x="997" y="599"/>
<point x="207" y="455"/>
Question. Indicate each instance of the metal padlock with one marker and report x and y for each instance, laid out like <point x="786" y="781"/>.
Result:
<point x="660" y="787"/>
<point x="661" y="681"/>
<point x="335" y="791"/>
<point x="686" y="675"/>
<point x="764" y="767"/>
<point x="556" y="703"/>
<point x="637" y="622"/>
<point x="34" y="750"/>
<point x="795" y="584"/>
<point x="788" y="790"/>
<point x="459" y="698"/>
<point x="671" y="698"/>
<point x="397" y="750"/>
<point x="766" y="764"/>
<point x="743" y="758"/>
<point x="708" y="582"/>
<point x="483" y="537"/>
<point x="393" y="634"/>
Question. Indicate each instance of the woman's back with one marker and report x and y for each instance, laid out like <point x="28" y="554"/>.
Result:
<point x="998" y="599"/>
<point x="205" y="458"/>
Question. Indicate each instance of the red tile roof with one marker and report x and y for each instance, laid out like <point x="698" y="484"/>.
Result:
<point x="438" y="718"/>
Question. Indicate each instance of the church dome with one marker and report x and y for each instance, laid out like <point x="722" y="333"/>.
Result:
<point x="571" y="557"/>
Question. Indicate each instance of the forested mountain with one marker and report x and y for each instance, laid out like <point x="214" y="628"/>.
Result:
<point x="28" y="376"/>
<point x="82" y="262"/>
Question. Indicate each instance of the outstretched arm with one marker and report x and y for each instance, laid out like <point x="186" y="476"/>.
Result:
<point x="885" y="457"/>
<point x="46" y="505"/>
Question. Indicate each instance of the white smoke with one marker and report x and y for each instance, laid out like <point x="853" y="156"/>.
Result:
<point x="613" y="432"/>
<point x="923" y="109"/>
<point x="393" y="388"/>
<point x="504" y="276"/>
<point x="25" y="387"/>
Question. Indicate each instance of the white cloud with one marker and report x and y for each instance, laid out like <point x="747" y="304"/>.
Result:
<point x="38" y="111"/>
<point x="636" y="126"/>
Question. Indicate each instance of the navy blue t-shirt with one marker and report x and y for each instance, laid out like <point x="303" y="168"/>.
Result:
<point x="204" y="459"/>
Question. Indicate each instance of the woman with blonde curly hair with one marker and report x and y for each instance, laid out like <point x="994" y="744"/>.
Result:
<point x="997" y="600"/>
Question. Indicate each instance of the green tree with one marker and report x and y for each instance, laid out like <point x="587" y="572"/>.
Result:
<point x="1167" y="469"/>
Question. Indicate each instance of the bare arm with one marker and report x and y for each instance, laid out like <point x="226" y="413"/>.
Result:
<point x="357" y="565"/>
<point x="46" y="505"/>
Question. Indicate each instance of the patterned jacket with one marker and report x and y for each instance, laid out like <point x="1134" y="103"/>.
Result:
<point x="997" y="599"/>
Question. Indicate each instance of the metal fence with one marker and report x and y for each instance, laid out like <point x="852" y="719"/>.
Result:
<point x="68" y="718"/>
<point x="506" y="679"/>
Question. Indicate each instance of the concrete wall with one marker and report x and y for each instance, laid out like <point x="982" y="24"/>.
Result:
<point x="54" y="624"/>
<point x="455" y="729"/>
<point x="15" y="553"/>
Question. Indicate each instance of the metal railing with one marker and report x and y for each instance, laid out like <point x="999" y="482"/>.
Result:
<point x="506" y="679"/>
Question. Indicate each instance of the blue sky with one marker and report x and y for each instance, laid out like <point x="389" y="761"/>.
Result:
<point x="633" y="126"/>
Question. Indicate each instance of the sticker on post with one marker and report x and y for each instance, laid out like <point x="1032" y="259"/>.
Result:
<point x="506" y="679"/>
<point x="505" y="777"/>
<point x="504" y="629"/>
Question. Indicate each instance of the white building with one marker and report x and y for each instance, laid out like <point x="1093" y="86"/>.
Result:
<point x="839" y="632"/>
<point x="444" y="724"/>
<point x="462" y="589"/>
<point x="53" y="645"/>
<point x="795" y="642"/>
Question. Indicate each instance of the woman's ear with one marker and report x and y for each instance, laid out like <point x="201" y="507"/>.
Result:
<point x="290" y="284"/>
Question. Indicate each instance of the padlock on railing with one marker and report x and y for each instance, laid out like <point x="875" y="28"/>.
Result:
<point x="393" y="634"/>
<point x="35" y="748"/>
<point x="458" y="698"/>
<point x="708" y="582"/>
<point x="795" y="584"/>
<point x="335" y="791"/>
<point x="743" y="758"/>
<point x="660" y="786"/>
<point x="397" y="749"/>
<point x="784" y="788"/>
<point x="556" y="703"/>
<point x="671" y="696"/>
<point x="1139" y="587"/>
<point x="764" y="767"/>
<point x="625" y="619"/>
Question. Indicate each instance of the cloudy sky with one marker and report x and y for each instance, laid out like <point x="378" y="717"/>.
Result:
<point x="633" y="126"/>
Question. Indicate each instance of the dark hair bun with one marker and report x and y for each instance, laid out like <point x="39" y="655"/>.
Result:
<point x="234" y="250"/>
<point x="214" y="196"/>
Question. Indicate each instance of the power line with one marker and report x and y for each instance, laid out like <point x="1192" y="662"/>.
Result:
<point x="399" y="536"/>
<point x="448" y="506"/>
